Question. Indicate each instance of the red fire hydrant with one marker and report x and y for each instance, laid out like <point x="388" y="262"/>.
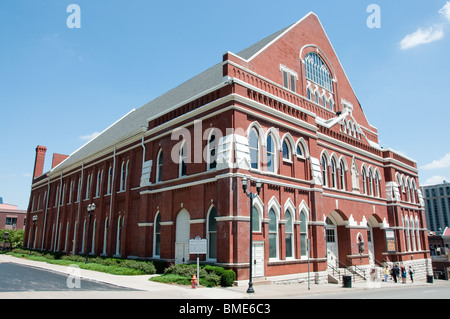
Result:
<point x="194" y="281"/>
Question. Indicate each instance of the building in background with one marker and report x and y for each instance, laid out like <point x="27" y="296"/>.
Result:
<point x="281" y="112"/>
<point x="11" y="217"/>
<point x="437" y="206"/>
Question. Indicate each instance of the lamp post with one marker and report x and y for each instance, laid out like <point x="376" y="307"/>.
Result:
<point x="251" y="196"/>
<point x="35" y="218"/>
<point x="91" y="208"/>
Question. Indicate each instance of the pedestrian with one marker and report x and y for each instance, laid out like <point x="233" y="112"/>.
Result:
<point x="411" y="272"/>
<point x="403" y="271"/>
<point x="394" y="273"/>
<point x="386" y="273"/>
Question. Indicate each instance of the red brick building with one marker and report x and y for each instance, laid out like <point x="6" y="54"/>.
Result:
<point x="11" y="217"/>
<point x="282" y="112"/>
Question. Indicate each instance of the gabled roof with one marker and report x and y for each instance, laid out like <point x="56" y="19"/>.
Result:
<point x="259" y="46"/>
<point x="446" y="232"/>
<point x="249" y="52"/>
<point x="133" y="121"/>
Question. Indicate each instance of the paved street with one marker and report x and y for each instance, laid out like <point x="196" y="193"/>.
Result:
<point x="16" y="278"/>
<point x="26" y="279"/>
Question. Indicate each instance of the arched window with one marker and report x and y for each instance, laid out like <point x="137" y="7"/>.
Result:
<point x="363" y="175"/>
<point x="99" y="184"/>
<point x="333" y="173"/>
<point x="377" y="184"/>
<point x="300" y="152"/>
<point x="270" y="154"/>
<point x="123" y="176"/>
<point x="273" y="234"/>
<point x="159" y="166"/>
<point x="110" y="179"/>
<point x="303" y="234"/>
<point x="157" y="236"/>
<point x="254" y="149"/>
<point x="256" y="222"/>
<point x="342" y="175"/>
<point x="324" y="171"/>
<point x="286" y="151"/>
<point x="212" y="151"/>
<point x="119" y="235"/>
<point x="182" y="171"/>
<point x="317" y="71"/>
<point x="371" y="182"/>
<point x="212" y="234"/>
<point x="289" y="230"/>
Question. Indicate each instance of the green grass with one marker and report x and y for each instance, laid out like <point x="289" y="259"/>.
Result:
<point x="112" y="266"/>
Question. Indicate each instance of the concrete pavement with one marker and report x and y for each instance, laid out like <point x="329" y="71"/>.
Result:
<point x="145" y="289"/>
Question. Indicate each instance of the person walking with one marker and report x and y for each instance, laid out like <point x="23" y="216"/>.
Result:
<point x="386" y="273"/>
<point x="411" y="273"/>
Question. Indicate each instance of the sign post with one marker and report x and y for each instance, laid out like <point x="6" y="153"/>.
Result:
<point x="198" y="246"/>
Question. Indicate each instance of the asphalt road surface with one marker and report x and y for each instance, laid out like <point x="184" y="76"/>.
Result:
<point x="17" y="278"/>
<point x="406" y="292"/>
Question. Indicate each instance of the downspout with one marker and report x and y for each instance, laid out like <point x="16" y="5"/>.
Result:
<point x="79" y="189"/>
<point x="45" y="217"/>
<point x="59" y="208"/>
<point x="112" y="185"/>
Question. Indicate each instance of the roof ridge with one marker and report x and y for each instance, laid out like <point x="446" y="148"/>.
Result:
<point x="256" y="48"/>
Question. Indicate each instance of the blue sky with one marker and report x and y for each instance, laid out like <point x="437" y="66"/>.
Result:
<point x="58" y="86"/>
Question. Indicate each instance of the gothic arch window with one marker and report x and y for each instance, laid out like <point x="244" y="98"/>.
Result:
<point x="289" y="236"/>
<point x="273" y="234"/>
<point x="159" y="166"/>
<point x="123" y="176"/>
<point x="157" y="236"/>
<point x="303" y="234"/>
<point x="212" y="233"/>
<point x="317" y="71"/>
<point x="271" y="154"/>
<point x="364" y="179"/>
<point x="254" y="149"/>
<point x="182" y="170"/>
<point x="110" y="179"/>
<point x="333" y="173"/>
<point x="212" y="151"/>
<point x="342" y="174"/>
<point x="286" y="151"/>
<point x="324" y="170"/>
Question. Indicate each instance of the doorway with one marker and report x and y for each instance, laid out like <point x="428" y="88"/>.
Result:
<point x="332" y="242"/>
<point x="258" y="259"/>
<point x="182" y="237"/>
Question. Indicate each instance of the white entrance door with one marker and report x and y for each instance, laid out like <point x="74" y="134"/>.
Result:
<point x="370" y="246"/>
<point x="182" y="237"/>
<point x="181" y="253"/>
<point x="258" y="260"/>
<point x="332" y="243"/>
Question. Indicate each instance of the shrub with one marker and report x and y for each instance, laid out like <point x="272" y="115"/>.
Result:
<point x="228" y="278"/>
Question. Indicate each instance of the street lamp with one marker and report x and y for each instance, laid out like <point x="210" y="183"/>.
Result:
<point x="35" y="218"/>
<point x="90" y="208"/>
<point x="251" y="196"/>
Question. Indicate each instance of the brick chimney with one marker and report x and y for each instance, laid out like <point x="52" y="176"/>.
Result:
<point x="39" y="161"/>
<point x="57" y="159"/>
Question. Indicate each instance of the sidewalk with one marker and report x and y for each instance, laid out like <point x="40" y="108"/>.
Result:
<point x="145" y="289"/>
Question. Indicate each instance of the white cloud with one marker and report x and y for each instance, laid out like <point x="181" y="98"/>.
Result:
<point x="440" y="163"/>
<point x="445" y="10"/>
<point x="435" y="180"/>
<point x="422" y="36"/>
<point x="90" y="136"/>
